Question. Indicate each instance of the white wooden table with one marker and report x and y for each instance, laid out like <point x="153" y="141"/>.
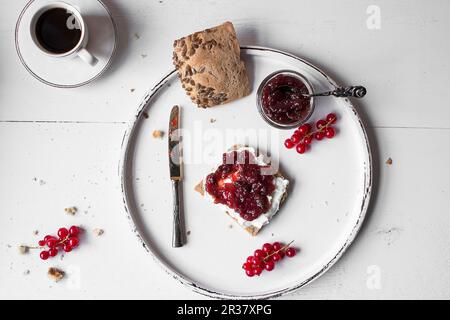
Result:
<point x="61" y="147"/>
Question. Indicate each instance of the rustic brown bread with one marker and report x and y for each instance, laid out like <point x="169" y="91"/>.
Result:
<point x="209" y="66"/>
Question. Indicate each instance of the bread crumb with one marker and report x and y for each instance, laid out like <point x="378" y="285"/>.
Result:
<point x="188" y="233"/>
<point x="230" y="226"/>
<point x="389" y="161"/>
<point x="36" y="232"/>
<point x="145" y="114"/>
<point x="98" y="232"/>
<point x="143" y="55"/>
<point x="132" y="90"/>
<point x="158" y="134"/>
<point x="137" y="36"/>
<point x="71" y="210"/>
<point x="55" y="274"/>
<point x="26" y="272"/>
<point x="212" y="120"/>
<point x="23" y="249"/>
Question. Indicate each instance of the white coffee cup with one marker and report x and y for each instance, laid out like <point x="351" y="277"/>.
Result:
<point x="74" y="21"/>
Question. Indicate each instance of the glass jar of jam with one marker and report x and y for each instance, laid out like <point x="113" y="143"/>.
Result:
<point x="282" y="99"/>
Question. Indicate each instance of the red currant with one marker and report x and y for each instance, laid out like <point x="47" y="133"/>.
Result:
<point x="288" y="143"/>
<point x="73" y="242"/>
<point x="282" y="254"/>
<point x="329" y="132"/>
<point x="74" y="230"/>
<point x="308" y="140"/>
<point x="258" y="271"/>
<point x="269" y="265"/>
<point x="51" y="243"/>
<point x="259" y="253"/>
<point x="62" y="233"/>
<point x="44" y="255"/>
<point x="250" y="272"/>
<point x="290" y="252"/>
<point x="256" y="261"/>
<point x="319" y="135"/>
<point x="267" y="247"/>
<point x="295" y="138"/>
<point x="41" y="243"/>
<point x="276" y="257"/>
<point x="47" y="237"/>
<point x="53" y="252"/>
<point x="331" y="118"/>
<point x="304" y="129"/>
<point x="67" y="248"/>
<point x="320" y="124"/>
<point x="276" y="246"/>
<point x="301" y="148"/>
<point x="249" y="259"/>
<point x="246" y="266"/>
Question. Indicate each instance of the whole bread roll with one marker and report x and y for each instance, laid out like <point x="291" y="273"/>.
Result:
<point x="209" y="66"/>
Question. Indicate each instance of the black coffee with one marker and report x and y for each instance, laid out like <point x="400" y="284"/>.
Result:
<point x="58" y="30"/>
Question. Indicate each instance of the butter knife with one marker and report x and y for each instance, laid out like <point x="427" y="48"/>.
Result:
<point x="175" y="163"/>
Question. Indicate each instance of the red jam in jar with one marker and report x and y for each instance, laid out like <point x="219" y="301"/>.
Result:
<point x="239" y="184"/>
<point x="282" y="100"/>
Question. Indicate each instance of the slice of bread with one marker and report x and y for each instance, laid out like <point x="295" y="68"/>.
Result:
<point x="210" y="67"/>
<point x="250" y="226"/>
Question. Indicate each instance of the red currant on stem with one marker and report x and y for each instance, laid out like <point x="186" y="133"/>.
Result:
<point x="320" y="124"/>
<point x="290" y="252"/>
<point x="73" y="242"/>
<point x="288" y="143"/>
<point x="301" y="148"/>
<point x="295" y="138"/>
<point x="74" y="230"/>
<point x="250" y="272"/>
<point x="53" y="252"/>
<point x="331" y="118"/>
<point x="329" y="132"/>
<point x="51" y="243"/>
<point x="269" y="265"/>
<point x="308" y="140"/>
<point x="41" y="243"/>
<point x="257" y="271"/>
<point x="44" y="255"/>
<point x="276" y="246"/>
<point x="67" y="248"/>
<point x="259" y="253"/>
<point x="62" y="233"/>
<point x="304" y="129"/>
<point x="267" y="247"/>
<point x="246" y="266"/>
<point x="319" y="135"/>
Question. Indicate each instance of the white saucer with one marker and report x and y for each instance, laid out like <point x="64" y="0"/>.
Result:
<point x="69" y="73"/>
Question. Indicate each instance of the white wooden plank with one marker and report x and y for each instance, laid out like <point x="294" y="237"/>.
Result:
<point x="405" y="237"/>
<point x="403" y="64"/>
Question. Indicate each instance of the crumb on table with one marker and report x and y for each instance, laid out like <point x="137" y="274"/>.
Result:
<point x="55" y="274"/>
<point x="188" y="232"/>
<point x="389" y="161"/>
<point x="98" y="232"/>
<point x="158" y="134"/>
<point x="212" y="120"/>
<point x="70" y="210"/>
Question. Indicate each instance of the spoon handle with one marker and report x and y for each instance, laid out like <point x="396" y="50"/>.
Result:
<point x="352" y="91"/>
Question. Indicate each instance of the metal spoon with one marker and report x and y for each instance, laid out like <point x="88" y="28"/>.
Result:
<point x="352" y="91"/>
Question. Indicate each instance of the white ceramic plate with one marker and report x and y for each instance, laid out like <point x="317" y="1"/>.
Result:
<point x="68" y="72"/>
<point x="328" y="196"/>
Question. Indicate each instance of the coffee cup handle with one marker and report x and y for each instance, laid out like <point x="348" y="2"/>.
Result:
<point x="87" y="57"/>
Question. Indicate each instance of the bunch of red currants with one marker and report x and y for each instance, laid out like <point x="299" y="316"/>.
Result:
<point x="266" y="257"/>
<point x="304" y="135"/>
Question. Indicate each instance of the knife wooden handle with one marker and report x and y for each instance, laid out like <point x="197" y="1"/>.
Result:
<point x="177" y="235"/>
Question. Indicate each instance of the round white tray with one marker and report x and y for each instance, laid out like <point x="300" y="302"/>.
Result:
<point x="328" y="195"/>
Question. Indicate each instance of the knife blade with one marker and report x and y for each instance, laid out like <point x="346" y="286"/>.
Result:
<point x="175" y="170"/>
